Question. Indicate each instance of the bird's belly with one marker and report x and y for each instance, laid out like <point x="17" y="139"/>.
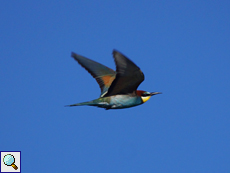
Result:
<point x="124" y="101"/>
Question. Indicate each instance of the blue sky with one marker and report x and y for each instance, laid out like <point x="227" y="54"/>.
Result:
<point x="181" y="46"/>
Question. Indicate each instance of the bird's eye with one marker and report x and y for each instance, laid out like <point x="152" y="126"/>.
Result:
<point x="145" y="94"/>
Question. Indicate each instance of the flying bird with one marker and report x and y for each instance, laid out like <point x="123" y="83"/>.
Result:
<point x="118" y="88"/>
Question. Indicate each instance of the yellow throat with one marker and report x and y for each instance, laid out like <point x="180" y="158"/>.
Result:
<point x="145" y="99"/>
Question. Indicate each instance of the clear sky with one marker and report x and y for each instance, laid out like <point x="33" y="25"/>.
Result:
<point x="183" y="48"/>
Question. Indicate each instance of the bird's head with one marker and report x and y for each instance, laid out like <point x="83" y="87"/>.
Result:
<point x="145" y="95"/>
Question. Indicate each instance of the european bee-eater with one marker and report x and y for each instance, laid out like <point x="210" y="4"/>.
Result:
<point x="118" y="88"/>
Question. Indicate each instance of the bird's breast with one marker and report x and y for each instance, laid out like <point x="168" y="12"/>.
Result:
<point x="125" y="101"/>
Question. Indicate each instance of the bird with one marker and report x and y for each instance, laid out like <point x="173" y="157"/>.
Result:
<point x="118" y="88"/>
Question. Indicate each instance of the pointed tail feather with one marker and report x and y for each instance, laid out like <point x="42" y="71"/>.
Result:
<point x="80" y="104"/>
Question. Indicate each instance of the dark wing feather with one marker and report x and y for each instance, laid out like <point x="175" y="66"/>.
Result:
<point x="128" y="77"/>
<point x="103" y="75"/>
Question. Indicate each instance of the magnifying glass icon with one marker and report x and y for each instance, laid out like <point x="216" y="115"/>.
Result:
<point x="9" y="160"/>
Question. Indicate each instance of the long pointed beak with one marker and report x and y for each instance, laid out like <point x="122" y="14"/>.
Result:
<point x="155" y="93"/>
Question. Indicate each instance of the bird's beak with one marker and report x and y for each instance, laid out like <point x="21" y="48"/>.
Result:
<point x="154" y="93"/>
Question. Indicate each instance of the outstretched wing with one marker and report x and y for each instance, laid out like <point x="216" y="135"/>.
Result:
<point x="128" y="77"/>
<point x="103" y="75"/>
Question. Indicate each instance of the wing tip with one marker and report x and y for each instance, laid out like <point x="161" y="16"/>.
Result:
<point x="115" y="52"/>
<point x="77" y="57"/>
<point x="73" y="55"/>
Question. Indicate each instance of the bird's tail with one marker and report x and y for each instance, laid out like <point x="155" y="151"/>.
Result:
<point x="90" y="103"/>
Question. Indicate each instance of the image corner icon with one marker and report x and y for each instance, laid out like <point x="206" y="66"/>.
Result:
<point x="10" y="161"/>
